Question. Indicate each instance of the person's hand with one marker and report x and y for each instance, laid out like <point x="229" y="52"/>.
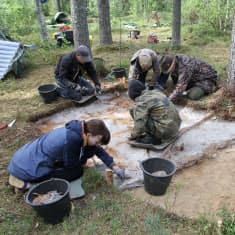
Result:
<point x="98" y="90"/>
<point x="84" y="90"/>
<point x="119" y="172"/>
<point x="150" y="87"/>
<point x="77" y="88"/>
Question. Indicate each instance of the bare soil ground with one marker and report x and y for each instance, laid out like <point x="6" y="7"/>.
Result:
<point x="203" y="189"/>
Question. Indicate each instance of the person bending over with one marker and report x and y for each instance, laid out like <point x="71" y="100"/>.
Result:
<point x="69" y="74"/>
<point x="61" y="153"/>
<point x="156" y="119"/>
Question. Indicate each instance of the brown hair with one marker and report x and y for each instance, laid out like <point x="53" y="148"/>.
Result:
<point x="98" y="127"/>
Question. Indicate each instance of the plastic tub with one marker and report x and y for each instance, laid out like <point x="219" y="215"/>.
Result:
<point x="54" y="211"/>
<point x="119" y="72"/>
<point x="157" y="185"/>
<point x="48" y="93"/>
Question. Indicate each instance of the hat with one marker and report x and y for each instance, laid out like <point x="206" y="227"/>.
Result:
<point x="145" y="62"/>
<point x="84" y="53"/>
<point x="166" y="63"/>
<point x="135" y="87"/>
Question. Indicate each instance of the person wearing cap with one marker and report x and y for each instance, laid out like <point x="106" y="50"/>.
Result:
<point x="61" y="153"/>
<point x="191" y="76"/>
<point x="141" y="62"/>
<point x="69" y="74"/>
<point x="156" y="119"/>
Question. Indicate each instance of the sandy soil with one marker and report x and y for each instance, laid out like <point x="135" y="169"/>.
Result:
<point x="202" y="189"/>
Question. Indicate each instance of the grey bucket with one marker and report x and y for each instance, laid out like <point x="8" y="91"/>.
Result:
<point x="48" y="93"/>
<point x="157" y="185"/>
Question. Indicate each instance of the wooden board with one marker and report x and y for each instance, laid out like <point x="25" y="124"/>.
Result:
<point x="85" y="99"/>
<point x="152" y="147"/>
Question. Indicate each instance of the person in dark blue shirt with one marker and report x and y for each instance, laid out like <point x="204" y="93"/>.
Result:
<point x="61" y="153"/>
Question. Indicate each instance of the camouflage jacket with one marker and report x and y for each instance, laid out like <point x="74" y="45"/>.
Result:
<point x="189" y="72"/>
<point x="154" y="113"/>
<point x="135" y="71"/>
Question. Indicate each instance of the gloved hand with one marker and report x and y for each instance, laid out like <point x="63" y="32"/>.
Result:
<point x="119" y="172"/>
<point x="97" y="89"/>
<point x="150" y="87"/>
<point x="77" y="88"/>
<point x="84" y="91"/>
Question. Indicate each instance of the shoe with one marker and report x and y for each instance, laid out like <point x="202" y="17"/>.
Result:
<point x="147" y="139"/>
<point x="17" y="183"/>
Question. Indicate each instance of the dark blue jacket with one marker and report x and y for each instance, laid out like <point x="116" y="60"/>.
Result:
<point x="62" y="145"/>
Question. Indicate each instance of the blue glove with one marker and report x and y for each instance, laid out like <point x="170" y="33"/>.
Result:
<point x="120" y="173"/>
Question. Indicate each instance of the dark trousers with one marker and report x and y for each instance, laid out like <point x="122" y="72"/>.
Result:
<point x="70" y="93"/>
<point x="69" y="174"/>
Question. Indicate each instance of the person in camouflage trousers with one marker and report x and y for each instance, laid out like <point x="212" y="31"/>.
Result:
<point x="191" y="76"/>
<point x="141" y="62"/>
<point x="156" y="119"/>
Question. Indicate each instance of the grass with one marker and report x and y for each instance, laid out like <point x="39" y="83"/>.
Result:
<point x="104" y="210"/>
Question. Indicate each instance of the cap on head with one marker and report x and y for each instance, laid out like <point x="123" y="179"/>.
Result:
<point x="84" y="52"/>
<point x="135" y="87"/>
<point x="167" y="63"/>
<point x="145" y="62"/>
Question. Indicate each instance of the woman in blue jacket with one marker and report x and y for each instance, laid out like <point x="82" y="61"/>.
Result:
<point x="61" y="153"/>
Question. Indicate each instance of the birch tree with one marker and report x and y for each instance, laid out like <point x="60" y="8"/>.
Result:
<point x="41" y="21"/>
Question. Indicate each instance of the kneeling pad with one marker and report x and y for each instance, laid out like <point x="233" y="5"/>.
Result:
<point x="152" y="147"/>
<point x="76" y="190"/>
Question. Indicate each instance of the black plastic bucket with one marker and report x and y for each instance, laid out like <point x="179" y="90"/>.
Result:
<point x="54" y="211"/>
<point x="118" y="72"/>
<point x="48" y="93"/>
<point x="157" y="185"/>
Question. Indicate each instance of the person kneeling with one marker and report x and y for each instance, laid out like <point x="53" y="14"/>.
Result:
<point x="156" y="119"/>
<point x="61" y="153"/>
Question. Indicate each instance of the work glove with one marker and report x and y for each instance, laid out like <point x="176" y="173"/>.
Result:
<point x="97" y="89"/>
<point x="84" y="91"/>
<point x="120" y="173"/>
<point x="77" y="88"/>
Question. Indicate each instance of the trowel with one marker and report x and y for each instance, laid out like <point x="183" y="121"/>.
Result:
<point x="3" y="126"/>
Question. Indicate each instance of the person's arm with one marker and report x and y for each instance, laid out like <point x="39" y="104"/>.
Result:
<point x="156" y="70"/>
<point x="90" y="69"/>
<point x="181" y="85"/>
<point x="73" y="150"/>
<point x="109" y="162"/>
<point x="64" y="73"/>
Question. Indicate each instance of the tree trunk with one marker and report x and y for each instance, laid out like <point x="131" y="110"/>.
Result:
<point x="231" y="62"/>
<point x="176" y="23"/>
<point x="79" y="21"/>
<point x="104" y="23"/>
<point x="41" y="21"/>
<point x="58" y="5"/>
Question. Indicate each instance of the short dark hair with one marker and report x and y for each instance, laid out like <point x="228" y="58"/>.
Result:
<point x="135" y="88"/>
<point x="98" y="127"/>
